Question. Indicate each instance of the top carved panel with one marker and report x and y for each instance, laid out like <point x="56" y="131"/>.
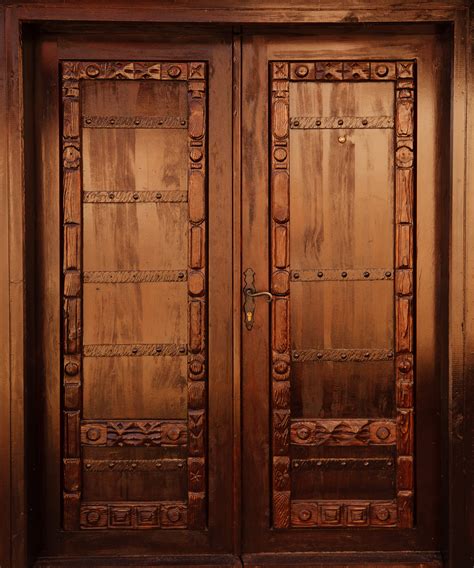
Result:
<point x="343" y="70"/>
<point x="134" y="70"/>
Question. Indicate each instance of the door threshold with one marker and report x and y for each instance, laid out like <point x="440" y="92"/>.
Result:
<point x="345" y="560"/>
<point x="197" y="561"/>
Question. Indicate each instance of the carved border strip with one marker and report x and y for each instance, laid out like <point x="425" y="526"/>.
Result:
<point x="133" y="70"/>
<point x="354" y="513"/>
<point x="333" y="274"/>
<point x="144" y="515"/>
<point x="168" y="196"/>
<point x="342" y="355"/>
<point x="135" y="350"/>
<point x="402" y="74"/>
<point x="325" y="122"/>
<point x="134" y="122"/>
<point x="130" y="276"/>
<point x="136" y="432"/>
<point x="119" y="465"/>
<point x="280" y="263"/>
<point x="344" y="70"/>
<point x="347" y="432"/>
<point x="404" y="292"/>
<point x="72" y="308"/>
<point x="197" y="300"/>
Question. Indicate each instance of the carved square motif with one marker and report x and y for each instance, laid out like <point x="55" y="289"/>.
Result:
<point x="331" y="514"/>
<point x="356" y="70"/>
<point x="358" y="514"/>
<point x="404" y="70"/>
<point x="304" y="514"/>
<point x="382" y="71"/>
<point x="383" y="513"/>
<point x="280" y="70"/>
<point x="196" y="71"/>
<point x="173" y="516"/>
<point x="93" y="517"/>
<point x="94" y="434"/>
<point x="302" y="71"/>
<point x="329" y="70"/>
<point x="120" y="517"/>
<point x="148" y="516"/>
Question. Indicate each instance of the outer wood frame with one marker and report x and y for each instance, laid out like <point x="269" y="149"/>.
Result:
<point x="13" y="541"/>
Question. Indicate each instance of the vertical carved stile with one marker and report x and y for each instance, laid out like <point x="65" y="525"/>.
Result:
<point x="404" y="293"/>
<point x="72" y="316"/>
<point x="197" y="376"/>
<point x="280" y="214"/>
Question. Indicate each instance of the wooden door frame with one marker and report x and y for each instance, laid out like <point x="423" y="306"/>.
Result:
<point x="14" y="16"/>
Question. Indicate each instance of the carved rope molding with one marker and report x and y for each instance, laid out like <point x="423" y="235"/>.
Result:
<point x="400" y="432"/>
<point x="192" y="432"/>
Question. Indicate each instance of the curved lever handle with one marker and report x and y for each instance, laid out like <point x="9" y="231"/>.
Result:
<point x="268" y="295"/>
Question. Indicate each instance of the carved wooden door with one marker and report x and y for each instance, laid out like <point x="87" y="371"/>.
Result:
<point x="145" y="216"/>
<point x="330" y="365"/>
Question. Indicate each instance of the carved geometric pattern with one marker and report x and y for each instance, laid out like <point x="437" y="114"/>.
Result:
<point x="153" y="432"/>
<point x="133" y="515"/>
<point x="135" y="350"/>
<point x="342" y="355"/>
<point x="349" y="70"/>
<point x="280" y="214"/>
<point x="349" y="432"/>
<point x="126" y="276"/>
<point x="354" y="432"/>
<point x="167" y="196"/>
<point x="134" y="433"/>
<point x="134" y="122"/>
<point x="404" y="281"/>
<point x="167" y="464"/>
<point x="321" y="122"/>
<point x="343" y="513"/>
<point x="324" y="274"/>
<point x="197" y="301"/>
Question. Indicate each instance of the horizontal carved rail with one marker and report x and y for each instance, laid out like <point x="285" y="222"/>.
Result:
<point x="134" y="433"/>
<point x="128" y="276"/>
<point x="325" y="122"/>
<point x="135" y="350"/>
<point x="144" y="515"/>
<point x="343" y="513"/>
<point x="134" y="122"/>
<point x="345" y="70"/>
<point x="318" y="464"/>
<point x="93" y="465"/>
<point x="135" y="196"/>
<point x="349" y="432"/>
<point x="342" y="355"/>
<point x="160" y="71"/>
<point x="322" y="274"/>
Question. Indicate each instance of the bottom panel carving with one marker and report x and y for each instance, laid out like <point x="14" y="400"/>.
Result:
<point x="164" y="515"/>
<point x="343" y="513"/>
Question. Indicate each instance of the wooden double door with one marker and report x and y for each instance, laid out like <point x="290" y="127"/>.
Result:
<point x="177" y="409"/>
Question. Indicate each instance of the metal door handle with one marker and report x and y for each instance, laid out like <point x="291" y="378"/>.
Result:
<point x="250" y="293"/>
<point x="268" y="295"/>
